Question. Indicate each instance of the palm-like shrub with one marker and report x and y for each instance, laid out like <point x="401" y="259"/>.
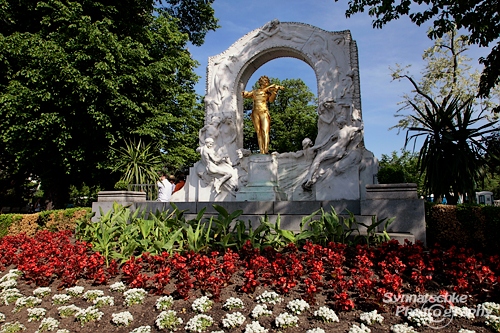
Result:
<point x="139" y="162"/>
<point x="452" y="154"/>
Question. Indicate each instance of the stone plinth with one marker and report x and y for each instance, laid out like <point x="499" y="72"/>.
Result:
<point x="399" y="201"/>
<point x="121" y="196"/>
<point x="262" y="180"/>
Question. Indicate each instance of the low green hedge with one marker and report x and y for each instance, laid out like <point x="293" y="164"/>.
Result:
<point x="474" y="226"/>
<point x="61" y="219"/>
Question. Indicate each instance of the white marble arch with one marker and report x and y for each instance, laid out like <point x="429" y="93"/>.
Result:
<point x="333" y="56"/>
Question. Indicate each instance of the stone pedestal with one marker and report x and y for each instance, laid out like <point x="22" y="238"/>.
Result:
<point x="262" y="180"/>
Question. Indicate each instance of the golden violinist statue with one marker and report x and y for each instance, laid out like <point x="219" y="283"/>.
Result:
<point x="260" y="113"/>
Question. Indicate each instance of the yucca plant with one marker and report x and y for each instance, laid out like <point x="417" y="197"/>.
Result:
<point x="452" y="154"/>
<point x="139" y="162"/>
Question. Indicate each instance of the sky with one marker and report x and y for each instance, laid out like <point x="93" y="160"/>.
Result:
<point x="398" y="42"/>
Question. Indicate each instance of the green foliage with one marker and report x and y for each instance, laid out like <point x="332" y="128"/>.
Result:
<point x="6" y="221"/>
<point x="479" y="18"/>
<point x="77" y="77"/>
<point x="330" y="227"/>
<point x="451" y="155"/>
<point x="470" y="225"/>
<point x="447" y="72"/>
<point x="84" y="195"/>
<point x="121" y="185"/>
<point x="293" y="118"/>
<point x="121" y="233"/>
<point x="138" y="162"/>
<point x="395" y="169"/>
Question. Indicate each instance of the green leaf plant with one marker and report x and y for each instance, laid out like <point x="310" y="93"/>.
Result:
<point x="122" y="233"/>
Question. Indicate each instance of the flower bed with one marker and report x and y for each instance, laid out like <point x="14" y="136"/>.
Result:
<point x="348" y="281"/>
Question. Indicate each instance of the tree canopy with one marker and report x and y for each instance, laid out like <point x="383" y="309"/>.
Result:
<point x="293" y="118"/>
<point x="478" y="17"/>
<point x="78" y="77"/>
<point x="447" y="72"/>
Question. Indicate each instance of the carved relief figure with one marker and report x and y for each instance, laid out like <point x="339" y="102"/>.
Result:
<point x="216" y="167"/>
<point x="348" y="85"/>
<point x="346" y="138"/>
<point x="242" y="166"/>
<point x="307" y="151"/>
<point x="210" y="130"/>
<point x="327" y="112"/>
<point x="260" y="116"/>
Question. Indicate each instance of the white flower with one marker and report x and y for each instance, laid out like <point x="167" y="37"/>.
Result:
<point x="48" y="324"/>
<point x="9" y="296"/>
<point x="370" y="318"/>
<point x="2" y="317"/>
<point x="326" y="314"/>
<point x="233" y="303"/>
<point x="402" y="328"/>
<point x="36" y="313"/>
<point x="10" y="276"/>
<point x="91" y="295"/>
<point x="270" y="297"/>
<point x="493" y="322"/>
<point x="28" y="302"/>
<point x="463" y="330"/>
<point x="118" y="286"/>
<point x="168" y="320"/>
<point x="141" y="329"/>
<point x="75" y="291"/>
<point x="316" y="330"/>
<point x="134" y="296"/>
<point x="122" y="318"/>
<point x="12" y="327"/>
<point x="89" y="314"/>
<point x="60" y="299"/>
<point x="165" y="302"/>
<point x="63" y="330"/>
<point x="261" y="310"/>
<point x="7" y="284"/>
<point x="42" y="292"/>
<point x="297" y="306"/>
<point x="202" y="304"/>
<point x="285" y="320"/>
<point x="359" y="329"/>
<point x="232" y="320"/>
<point x="67" y="310"/>
<point x="255" y="327"/>
<point x="491" y="307"/>
<point x="420" y="317"/>
<point x="462" y="312"/>
<point x="199" y="323"/>
<point x="101" y="301"/>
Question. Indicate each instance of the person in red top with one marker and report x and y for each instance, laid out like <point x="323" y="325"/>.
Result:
<point x="181" y="180"/>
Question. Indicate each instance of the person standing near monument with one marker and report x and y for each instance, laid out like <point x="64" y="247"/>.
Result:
<point x="261" y="118"/>
<point x="165" y="188"/>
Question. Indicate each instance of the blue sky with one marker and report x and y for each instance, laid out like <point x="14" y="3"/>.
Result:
<point x="398" y="42"/>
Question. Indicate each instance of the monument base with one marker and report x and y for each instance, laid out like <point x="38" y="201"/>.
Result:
<point x="261" y="193"/>
<point x="262" y="180"/>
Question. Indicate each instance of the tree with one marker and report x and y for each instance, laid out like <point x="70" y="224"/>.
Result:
<point x="402" y="168"/>
<point x="447" y="72"/>
<point x="479" y="17"/>
<point x="293" y="118"/>
<point x="452" y="155"/>
<point x="78" y="77"/>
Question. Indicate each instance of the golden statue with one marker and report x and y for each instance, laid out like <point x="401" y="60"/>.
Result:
<point x="260" y="113"/>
